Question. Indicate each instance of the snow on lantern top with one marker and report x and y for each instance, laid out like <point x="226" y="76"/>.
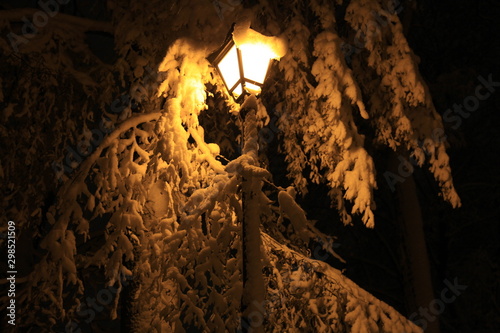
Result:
<point x="244" y="59"/>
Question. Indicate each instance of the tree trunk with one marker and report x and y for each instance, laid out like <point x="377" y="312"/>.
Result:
<point x="129" y="312"/>
<point x="416" y="249"/>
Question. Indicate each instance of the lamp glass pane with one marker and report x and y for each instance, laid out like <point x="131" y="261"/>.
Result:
<point x="256" y="59"/>
<point x="237" y="91"/>
<point x="229" y="68"/>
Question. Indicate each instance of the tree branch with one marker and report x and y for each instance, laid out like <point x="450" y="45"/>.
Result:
<point x="84" y="168"/>
<point x="83" y="24"/>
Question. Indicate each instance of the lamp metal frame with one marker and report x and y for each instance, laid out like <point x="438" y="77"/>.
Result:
<point x="216" y="57"/>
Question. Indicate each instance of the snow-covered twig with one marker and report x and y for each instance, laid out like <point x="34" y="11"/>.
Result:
<point x="216" y="165"/>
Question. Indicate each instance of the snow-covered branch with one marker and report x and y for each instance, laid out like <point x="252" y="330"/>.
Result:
<point x="308" y="288"/>
<point x="216" y="165"/>
<point x="87" y="164"/>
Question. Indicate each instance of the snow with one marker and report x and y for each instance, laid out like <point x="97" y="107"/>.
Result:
<point x="244" y="36"/>
<point x="322" y="292"/>
<point x="250" y="103"/>
<point x="402" y="109"/>
<point x="297" y="216"/>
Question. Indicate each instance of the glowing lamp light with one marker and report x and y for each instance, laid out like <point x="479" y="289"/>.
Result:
<point x="243" y="66"/>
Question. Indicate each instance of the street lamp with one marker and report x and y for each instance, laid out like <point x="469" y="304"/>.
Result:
<point x="243" y="62"/>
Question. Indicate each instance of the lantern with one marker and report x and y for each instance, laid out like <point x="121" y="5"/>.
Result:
<point x="244" y="60"/>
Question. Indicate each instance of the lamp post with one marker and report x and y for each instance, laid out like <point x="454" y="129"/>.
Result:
<point x="243" y="62"/>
